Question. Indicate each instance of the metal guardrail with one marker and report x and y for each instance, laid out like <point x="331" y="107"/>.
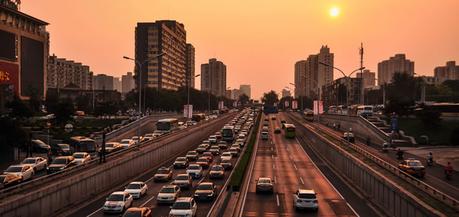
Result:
<point x="94" y="162"/>
<point x="432" y="191"/>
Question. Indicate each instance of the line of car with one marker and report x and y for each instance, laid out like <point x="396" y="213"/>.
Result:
<point x="195" y="162"/>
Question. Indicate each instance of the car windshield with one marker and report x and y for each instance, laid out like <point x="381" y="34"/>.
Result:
<point x="115" y="197"/>
<point x="163" y="171"/>
<point x="204" y="187"/>
<point x="202" y="160"/>
<point x="125" y="141"/>
<point x="307" y="196"/>
<point x="64" y="146"/>
<point x="226" y="154"/>
<point x="135" y="213"/>
<point x="181" y="159"/>
<point x="414" y="163"/>
<point x="167" y="190"/>
<point x="28" y="161"/>
<point x="134" y="186"/>
<point x="192" y="153"/>
<point x="181" y="178"/>
<point x="217" y="168"/>
<point x="194" y="167"/>
<point x="78" y="155"/>
<point x="14" y="169"/>
<point x="60" y="161"/>
<point x="264" y="181"/>
<point x="181" y="205"/>
<point x="109" y="145"/>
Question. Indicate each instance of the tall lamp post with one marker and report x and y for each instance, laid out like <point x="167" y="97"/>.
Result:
<point x="347" y="77"/>
<point x="301" y="96"/>
<point x="188" y="90"/>
<point x="139" y="68"/>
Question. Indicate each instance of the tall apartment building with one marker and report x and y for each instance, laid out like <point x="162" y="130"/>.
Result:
<point x="103" y="82"/>
<point x="167" y="37"/>
<point x="127" y="83"/>
<point x="245" y="89"/>
<point x="448" y="72"/>
<point x="190" y="64"/>
<point x="368" y="78"/>
<point x="213" y="77"/>
<point x="310" y="76"/>
<point x="63" y="72"/>
<point x="395" y="64"/>
<point x="117" y="84"/>
<point x="24" y="51"/>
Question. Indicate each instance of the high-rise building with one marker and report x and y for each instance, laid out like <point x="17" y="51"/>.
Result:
<point x="24" y="51"/>
<point x="127" y="83"/>
<point x="63" y="72"/>
<point x="213" y="77"/>
<point x="103" y="82"/>
<point x="448" y="72"/>
<point x="117" y="84"/>
<point x="285" y="93"/>
<point x="245" y="89"/>
<point x="310" y="76"/>
<point x="368" y="78"/>
<point x="166" y="37"/>
<point x="395" y="64"/>
<point x="189" y="67"/>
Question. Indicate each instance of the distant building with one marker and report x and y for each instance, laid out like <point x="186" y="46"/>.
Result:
<point x="285" y="93"/>
<point x="368" y="77"/>
<point x="117" y="84"/>
<point x="310" y="76"/>
<point x="73" y="92"/>
<point x="448" y="72"/>
<point x="24" y="51"/>
<point x="235" y="93"/>
<point x="395" y="64"/>
<point x="63" y="72"/>
<point x="336" y="92"/>
<point x="190" y="64"/>
<point x="213" y="77"/>
<point x="245" y="89"/>
<point x="163" y="36"/>
<point x="431" y="80"/>
<point x="103" y="82"/>
<point x="127" y="83"/>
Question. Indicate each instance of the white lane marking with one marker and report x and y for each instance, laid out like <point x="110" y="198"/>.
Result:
<point x="143" y="204"/>
<point x="274" y="166"/>
<point x="301" y="180"/>
<point x="320" y="171"/>
<point x="272" y="156"/>
<point x="275" y="179"/>
<point x="294" y="165"/>
<point x="277" y="199"/>
<point x="94" y="212"/>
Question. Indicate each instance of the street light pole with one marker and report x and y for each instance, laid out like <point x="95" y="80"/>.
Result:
<point x="188" y="91"/>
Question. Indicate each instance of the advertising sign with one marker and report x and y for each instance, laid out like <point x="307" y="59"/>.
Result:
<point x="318" y="107"/>
<point x="221" y="105"/>
<point x="286" y="104"/>
<point x="9" y="75"/>
<point x="294" y="104"/>
<point x="187" y="111"/>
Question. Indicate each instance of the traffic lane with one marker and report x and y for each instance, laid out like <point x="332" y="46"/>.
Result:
<point x="261" y="204"/>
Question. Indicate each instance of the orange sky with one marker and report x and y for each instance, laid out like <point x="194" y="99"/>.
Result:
<point x="258" y="40"/>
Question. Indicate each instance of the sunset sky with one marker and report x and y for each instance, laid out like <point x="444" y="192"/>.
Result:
<point x="258" y="40"/>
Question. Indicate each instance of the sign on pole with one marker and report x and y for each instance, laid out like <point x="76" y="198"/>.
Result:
<point x="221" y="105"/>
<point x="188" y="111"/>
<point x="286" y="104"/>
<point x="294" y="104"/>
<point x="318" y="107"/>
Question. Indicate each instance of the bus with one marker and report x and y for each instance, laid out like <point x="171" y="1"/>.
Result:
<point x="289" y="131"/>
<point x="309" y="115"/>
<point x="167" y="125"/>
<point x="228" y="134"/>
<point x="83" y="144"/>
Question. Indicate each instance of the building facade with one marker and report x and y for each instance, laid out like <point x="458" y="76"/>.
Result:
<point x="448" y="72"/>
<point x="127" y="83"/>
<point x="342" y="91"/>
<point x="395" y="64"/>
<point x="103" y="82"/>
<point x="24" y="51"/>
<point x="63" y="72"/>
<point x="245" y="89"/>
<point x="213" y="77"/>
<point x="300" y="78"/>
<point x="368" y="78"/>
<point x="190" y="64"/>
<point x="166" y="37"/>
<point x="117" y="84"/>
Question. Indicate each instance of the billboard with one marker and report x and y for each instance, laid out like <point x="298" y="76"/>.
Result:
<point x="221" y="105"/>
<point x="32" y="67"/>
<point x="318" y="107"/>
<point x="286" y="104"/>
<point x="294" y="104"/>
<point x="188" y="111"/>
<point x="8" y="46"/>
<point x="9" y="76"/>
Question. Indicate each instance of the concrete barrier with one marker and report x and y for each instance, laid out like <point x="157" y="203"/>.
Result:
<point x="74" y="189"/>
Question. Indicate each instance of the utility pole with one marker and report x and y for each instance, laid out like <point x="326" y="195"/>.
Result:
<point x="362" y="86"/>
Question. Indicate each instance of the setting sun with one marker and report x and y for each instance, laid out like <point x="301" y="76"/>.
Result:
<point x="334" y="11"/>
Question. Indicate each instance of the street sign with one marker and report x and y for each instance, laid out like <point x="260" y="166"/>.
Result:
<point x="294" y="104"/>
<point x="188" y="111"/>
<point x="286" y="104"/>
<point x="318" y="107"/>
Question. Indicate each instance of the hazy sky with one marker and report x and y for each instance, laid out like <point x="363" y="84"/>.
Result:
<point x="258" y="40"/>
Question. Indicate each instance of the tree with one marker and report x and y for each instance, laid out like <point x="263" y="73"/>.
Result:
<point x="64" y="111"/>
<point x="402" y="94"/>
<point x="244" y="99"/>
<point x="12" y="134"/>
<point x="270" y="98"/>
<point x="18" y="108"/>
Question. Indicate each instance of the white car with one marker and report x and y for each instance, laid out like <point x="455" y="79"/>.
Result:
<point x="305" y="199"/>
<point x="213" y="139"/>
<point x="183" y="181"/>
<point x="184" y="206"/>
<point x="127" y="143"/>
<point x="240" y="142"/>
<point x="81" y="158"/>
<point x="264" y="135"/>
<point x="226" y="155"/>
<point x="24" y="171"/>
<point x="137" y="139"/>
<point x="194" y="170"/>
<point x="136" y="189"/>
<point x="117" y="202"/>
<point x="37" y="163"/>
<point x="168" y="194"/>
<point x="148" y="136"/>
<point x="157" y="133"/>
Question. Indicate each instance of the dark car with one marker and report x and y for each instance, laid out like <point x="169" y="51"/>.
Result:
<point x="7" y="180"/>
<point x="138" y="212"/>
<point x="205" y="191"/>
<point x="60" y="163"/>
<point x="61" y="149"/>
<point x="203" y="162"/>
<point x="39" y="146"/>
<point x="265" y="184"/>
<point x="226" y="163"/>
<point x="277" y="130"/>
<point x="181" y="162"/>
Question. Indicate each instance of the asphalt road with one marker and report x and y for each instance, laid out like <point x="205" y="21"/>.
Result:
<point x="285" y="161"/>
<point x="149" y="200"/>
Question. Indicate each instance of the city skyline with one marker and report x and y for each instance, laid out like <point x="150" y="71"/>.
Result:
<point x="383" y="36"/>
